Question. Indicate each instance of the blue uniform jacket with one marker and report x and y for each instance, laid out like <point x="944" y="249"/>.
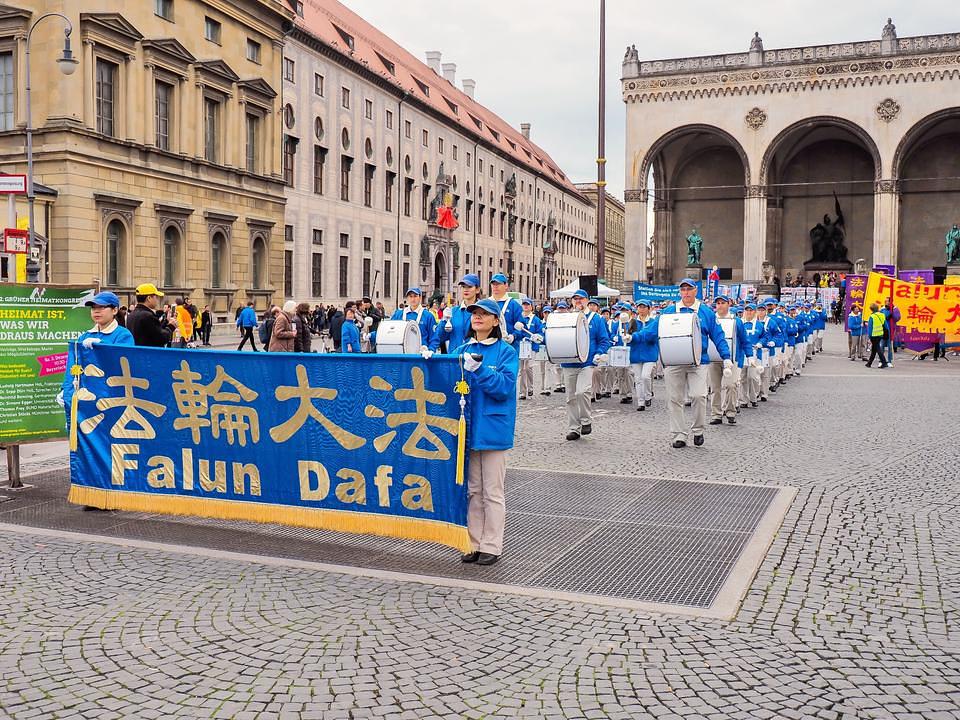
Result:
<point x="777" y="329"/>
<point x="493" y="395"/>
<point x="428" y="323"/>
<point x="247" y="318"/>
<point x="457" y="335"/>
<point x="709" y="330"/>
<point x="856" y="324"/>
<point x="534" y="325"/>
<point x="511" y="312"/>
<point x="349" y="338"/>
<point x="599" y="341"/>
<point x="119" y="335"/>
<point x="792" y="330"/>
<point x="803" y="323"/>
<point x="744" y="346"/>
<point x="756" y="333"/>
<point x="643" y="342"/>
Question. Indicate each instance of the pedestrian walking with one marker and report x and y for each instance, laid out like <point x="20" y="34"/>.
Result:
<point x="283" y="335"/>
<point x="247" y="322"/>
<point x="877" y="330"/>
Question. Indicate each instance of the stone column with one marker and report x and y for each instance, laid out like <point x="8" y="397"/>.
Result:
<point x="754" y="231"/>
<point x="635" y="239"/>
<point x="199" y="148"/>
<point x="183" y="109"/>
<point x="662" y="243"/>
<point x="89" y="86"/>
<point x="149" y="107"/>
<point x="132" y="117"/>
<point x="886" y="222"/>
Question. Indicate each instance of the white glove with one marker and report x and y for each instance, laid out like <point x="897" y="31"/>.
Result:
<point x="469" y="364"/>
<point x="727" y="368"/>
<point x="426" y="353"/>
<point x="599" y="359"/>
<point x="771" y="343"/>
<point x="537" y="338"/>
<point x="89" y="342"/>
<point x="626" y="338"/>
<point x="447" y="313"/>
<point x="509" y="339"/>
<point x="519" y="326"/>
<point x="365" y="336"/>
<point x="60" y="400"/>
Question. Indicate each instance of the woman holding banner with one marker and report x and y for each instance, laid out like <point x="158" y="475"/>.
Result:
<point x="493" y="366"/>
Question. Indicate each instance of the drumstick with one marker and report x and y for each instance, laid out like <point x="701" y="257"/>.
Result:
<point x="522" y="328"/>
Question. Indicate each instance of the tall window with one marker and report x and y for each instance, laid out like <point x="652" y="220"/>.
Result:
<point x="289" y="70"/>
<point x="366" y="276"/>
<point x="115" y="235"/>
<point x="407" y="129"/>
<point x="171" y="256"/>
<point x="217" y="250"/>
<point x="163" y="8"/>
<point x="258" y="260"/>
<point x="289" y="158"/>
<point x="425" y="202"/>
<point x="387" y="278"/>
<point x="344" y="269"/>
<point x="388" y="191"/>
<point x="6" y="91"/>
<point x="316" y="275"/>
<point x="407" y="193"/>
<point x="426" y="138"/>
<point x="368" y="109"/>
<point x="288" y="273"/>
<point x="346" y="163"/>
<point x="317" y="236"/>
<point x="211" y="129"/>
<point x="389" y="117"/>
<point x="469" y="212"/>
<point x="480" y="221"/>
<point x="164" y="94"/>
<point x="368" y="185"/>
<point x="318" y="84"/>
<point x="106" y="96"/>
<point x="345" y="97"/>
<point x="344" y="240"/>
<point x="406" y="275"/>
<point x="319" y="161"/>
<point x="253" y="141"/>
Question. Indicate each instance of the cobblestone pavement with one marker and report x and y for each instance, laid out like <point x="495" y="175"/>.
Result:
<point x="853" y="614"/>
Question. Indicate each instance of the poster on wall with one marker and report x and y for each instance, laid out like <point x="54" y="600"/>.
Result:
<point x="36" y="324"/>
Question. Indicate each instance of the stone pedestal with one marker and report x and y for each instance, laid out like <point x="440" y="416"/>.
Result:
<point x="692" y="271"/>
<point x="953" y="270"/>
<point x="766" y="290"/>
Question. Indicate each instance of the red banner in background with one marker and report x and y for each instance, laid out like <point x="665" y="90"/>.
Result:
<point x="913" y="341"/>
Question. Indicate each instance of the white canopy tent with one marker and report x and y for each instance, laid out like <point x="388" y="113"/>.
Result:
<point x="568" y="291"/>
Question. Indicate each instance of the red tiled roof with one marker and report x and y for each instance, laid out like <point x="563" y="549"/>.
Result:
<point x="337" y="26"/>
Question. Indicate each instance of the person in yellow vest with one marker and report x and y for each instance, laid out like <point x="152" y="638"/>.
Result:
<point x="184" y="323"/>
<point x="876" y="326"/>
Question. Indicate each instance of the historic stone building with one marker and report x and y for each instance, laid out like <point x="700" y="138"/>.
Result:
<point x="375" y="141"/>
<point x="613" y="234"/>
<point x="749" y="148"/>
<point x="163" y="147"/>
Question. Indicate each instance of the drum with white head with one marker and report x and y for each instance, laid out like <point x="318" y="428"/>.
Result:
<point x="729" y="327"/>
<point x="526" y="349"/>
<point x="679" y="339"/>
<point x="568" y="337"/>
<point x="398" y="337"/>
<point x="619" y="356"/>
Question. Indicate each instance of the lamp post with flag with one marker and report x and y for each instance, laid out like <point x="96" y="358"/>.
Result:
<point x="601" y="159"/>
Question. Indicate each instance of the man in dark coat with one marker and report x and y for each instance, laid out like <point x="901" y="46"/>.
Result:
<point x="145" y="323"/>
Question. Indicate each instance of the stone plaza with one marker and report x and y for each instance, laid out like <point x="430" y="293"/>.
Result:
<point x="852" y="613"/>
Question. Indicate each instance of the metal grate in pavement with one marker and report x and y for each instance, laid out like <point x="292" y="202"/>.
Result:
<point x="644" y="540"/>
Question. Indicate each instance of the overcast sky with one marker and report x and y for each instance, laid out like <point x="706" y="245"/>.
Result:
<point x="536" y="60"/>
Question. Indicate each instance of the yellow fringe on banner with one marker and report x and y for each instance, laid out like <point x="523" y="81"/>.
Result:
<point x="404" y="528"/>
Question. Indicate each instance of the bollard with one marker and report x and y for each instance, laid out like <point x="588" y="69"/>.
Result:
<point x="13" y="466"/>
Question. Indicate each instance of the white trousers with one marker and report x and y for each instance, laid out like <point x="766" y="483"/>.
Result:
<point x="686" y="381"/>
<point x="579" y="384"/>
<point x="818" y="341"/>
<point x="799" y="357"/>
<point x="526" y="376"/>
<point x="642" y="381"/>
<point x="486" y="510"/>
<point x="723" y="398"/>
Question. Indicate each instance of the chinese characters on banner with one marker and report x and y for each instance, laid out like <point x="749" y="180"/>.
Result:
<point x="915" y="341"/>
<point x="856" y="291"/>
<point x="924" y="307"/>
<point x="358" y="443"/>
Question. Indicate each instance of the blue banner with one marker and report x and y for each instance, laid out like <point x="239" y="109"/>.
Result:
<point x="660" y="293"/>
<point x="353" y="442"/>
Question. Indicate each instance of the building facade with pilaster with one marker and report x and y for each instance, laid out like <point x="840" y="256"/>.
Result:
<point x="613" y="234"/>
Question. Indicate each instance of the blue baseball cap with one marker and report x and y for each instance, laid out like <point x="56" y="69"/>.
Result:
<point x="500" y="278"/>
<point x="769" y="301"/>
<point x="581" y="294"/>
<point x="645" y="303"/>
<point x="725" y="298"/>
<point x="415" y="291"/>
<point x="688" y="281"/>
<point x="547" y="308"/>
<point x="749" y="306"/>
<point x="488" y="305"/>
<point x="526" y="301"/>
<point x="471" y="280"/>
<point x="104" y="299"/>
<point x="562" y="305"/>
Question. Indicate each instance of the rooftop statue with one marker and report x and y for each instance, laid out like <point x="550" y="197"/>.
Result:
<point x="756" y="43"/>
<point x="889" y="31"/>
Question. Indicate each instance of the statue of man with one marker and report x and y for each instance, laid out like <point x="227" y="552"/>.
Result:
<point x="953" y="245"/>
<point x="694" y="247"/>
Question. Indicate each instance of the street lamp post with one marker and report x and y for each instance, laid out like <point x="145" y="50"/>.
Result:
<point x="67" y="64"/>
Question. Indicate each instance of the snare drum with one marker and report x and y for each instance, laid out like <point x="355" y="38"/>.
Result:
<point x="619" y="356"/>
<point x="541" y="354"/>
<point x="398" y="337"/>
<point x="679" y="339"/>
<point x="729" y="327"/>
<point x="568" y="337"/>
<point x="526" y="349"/>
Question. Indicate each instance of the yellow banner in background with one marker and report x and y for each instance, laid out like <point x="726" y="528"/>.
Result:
<point x="952" y="338"/>
<point x="923" y="308"/>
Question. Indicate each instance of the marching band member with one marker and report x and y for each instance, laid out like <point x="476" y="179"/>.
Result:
<point x="767" y="351"/>
<point x="752" y="371"/>
<point x="620" y="377"/>
<point x="493" y="419"/>
<point x="578" y="377"/>
<point x="548" y="371"/>
<point x="562" y="307"/>
<point x="423" y="317"/>
<point x="691" y="380"/>
<point x="793" y="333"/>
<point x="510" y="310"/>
<point x="644" y="354"/>
<point x="777" y="337"/>
<point x="724" y="384"/>
<point x="820" y="324"/>
<point x="532" y="329"/>
<point x="455" y="325"/>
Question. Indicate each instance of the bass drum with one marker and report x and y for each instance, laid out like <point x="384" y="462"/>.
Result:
<point x="679" y="339"/>
<point x="568" y="337"/>
<point x="729" y="327"/>
<point x="398" y="337"/>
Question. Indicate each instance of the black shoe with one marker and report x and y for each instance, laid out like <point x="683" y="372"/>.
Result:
<point x="679" y="444"/>
<point x="731" y="421"/>
<point x="763" y="399"/>
<point x="572" y="435"/>
<point x="641" y="408"/>
<point x="487" y="559"/>
<point x="605" y="395"/>
<point x="562" y="388"/>
<point x="469" y="557"/>
<point x="626" y="400"/>
<point x="867" y="365"/>
<point x="773" y="388"/>
<point x="717" y="421"/>
<point x="523" y="397"/>
<point x="544" y="392"/>
<point x="648" y="403"/>
<point x="91" y="508"/>
<point x="593" y="399"/>
<point x="615" y="392"/>
<point x="698" y="440"/>
<point x="753" y="404"/>
<point x="586" y="429"/>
